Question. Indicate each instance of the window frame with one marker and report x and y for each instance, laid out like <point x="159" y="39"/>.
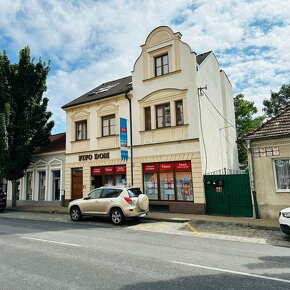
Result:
<point x="176" y="112"/>
<point x="109" y="118"/>
<point x="163" y="106"/>
<point x="84" y="134"/>
<point x="162" y="65"/>
<point x="147" y="118"/>
<point x="275" y="175"/>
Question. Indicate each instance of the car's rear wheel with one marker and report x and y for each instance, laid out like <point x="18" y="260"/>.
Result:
<point x="117" y="216"/>
<point x="75" y="213"/>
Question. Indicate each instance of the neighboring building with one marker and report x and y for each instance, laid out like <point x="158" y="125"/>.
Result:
<point x="269" y="156"/>
<point x="44" y="178"/>
<point x="174" y="141"/>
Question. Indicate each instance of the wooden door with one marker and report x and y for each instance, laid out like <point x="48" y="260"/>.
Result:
<point x="77" y="183"/>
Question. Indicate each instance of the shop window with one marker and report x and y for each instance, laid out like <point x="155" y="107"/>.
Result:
<point x="147" y="112"/>
<point x="81" y="130"/>
<point x="108" y="125"/>
<point x="150" y="185"/>
<point x="167" y="186"/>
<point x="161" y="65"/>
<point x="282" y="172"/>
<point x="163" y="115"/>
<point x="184" y="186"/>
<point x="179" y="113"/>
<point x="168" y="181"/>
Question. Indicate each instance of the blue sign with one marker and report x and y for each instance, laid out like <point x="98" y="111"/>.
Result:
<point x="123" y="139"/>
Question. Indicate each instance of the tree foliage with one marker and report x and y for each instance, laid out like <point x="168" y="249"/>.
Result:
<point x="245" y="123"/>
<point x="277" y="102"/>
<point x="25" y="122"/>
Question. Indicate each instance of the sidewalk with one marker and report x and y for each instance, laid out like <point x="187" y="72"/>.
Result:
<point x="55" y="208"/>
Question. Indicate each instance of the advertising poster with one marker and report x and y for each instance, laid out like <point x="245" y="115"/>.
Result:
<point x="123" y="139"/>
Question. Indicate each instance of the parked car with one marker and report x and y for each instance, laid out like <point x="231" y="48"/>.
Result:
<point x="118" y="203"/>
<point x="284" y="220"/>
<point x="2" y="201"/>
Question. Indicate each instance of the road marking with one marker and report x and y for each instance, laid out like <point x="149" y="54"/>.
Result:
<point x="193" y="230"/>
<point x="49" y="241"/>
<point x="232" y="272"/>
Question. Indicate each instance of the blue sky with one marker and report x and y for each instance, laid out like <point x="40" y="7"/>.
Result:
<point x="90" y="42"/>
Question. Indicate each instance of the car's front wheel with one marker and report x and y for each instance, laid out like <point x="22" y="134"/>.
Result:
<point x="117" y="216"/>
<point x="75" y="213"/>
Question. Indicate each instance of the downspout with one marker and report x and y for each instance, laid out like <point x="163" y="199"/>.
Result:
<point x="131" y="134"/>
<point x="252" y="181"/>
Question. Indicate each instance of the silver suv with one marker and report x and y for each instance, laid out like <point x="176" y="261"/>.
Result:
<point x="116" y="202"/>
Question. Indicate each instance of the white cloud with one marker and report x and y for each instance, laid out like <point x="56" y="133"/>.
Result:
<point x="90" y="42"/>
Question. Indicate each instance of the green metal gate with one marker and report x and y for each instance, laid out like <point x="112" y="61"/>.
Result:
<point x="228" y="195"/>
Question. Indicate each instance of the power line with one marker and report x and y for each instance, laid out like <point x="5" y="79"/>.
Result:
<point x="203" y="92"/>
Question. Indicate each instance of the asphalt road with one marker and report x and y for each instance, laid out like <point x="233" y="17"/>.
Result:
<point x="45" y="254"/>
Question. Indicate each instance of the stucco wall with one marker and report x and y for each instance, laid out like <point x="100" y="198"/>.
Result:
<point x="269" y="199"/>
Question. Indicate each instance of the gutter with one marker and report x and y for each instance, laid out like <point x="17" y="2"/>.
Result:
<point x="131" y="134"/>
<point x="252" y="180"/>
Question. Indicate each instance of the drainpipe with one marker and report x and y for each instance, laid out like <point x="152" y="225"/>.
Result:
<point x="131" y="134"/>
<point x="252" y="181"/>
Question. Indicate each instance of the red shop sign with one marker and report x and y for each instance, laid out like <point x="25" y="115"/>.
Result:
<point x="97" y="170"/>
<point x="109" y="169"/>
<point x="149" y="167"/>
<point x="185" y="165"/>
<point x="166" y="166"/>
<point x="120" y="169"/>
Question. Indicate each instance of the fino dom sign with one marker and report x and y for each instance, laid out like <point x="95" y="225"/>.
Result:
<point x="94" y="156"/>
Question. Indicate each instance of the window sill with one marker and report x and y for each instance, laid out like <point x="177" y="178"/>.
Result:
<point x="109" y="136"/>
<point x="162" y="76"/>
<point x="163" y="128"/>
<point x="77" y="141"/>
<point x="283" y="190"/>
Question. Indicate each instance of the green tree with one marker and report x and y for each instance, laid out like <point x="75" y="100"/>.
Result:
<point x="4" y="106"/>
<point x="28" y="125"/>
<point x="245" y="123"/>
<point x="277" y="102"/>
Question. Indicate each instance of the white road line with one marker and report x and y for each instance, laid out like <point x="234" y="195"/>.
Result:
<point x="49" y="241"/>
<point x="232" y="272"/>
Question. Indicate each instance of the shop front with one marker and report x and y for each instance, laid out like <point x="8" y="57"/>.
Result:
<point x="108" y="175"/>
<point x="168" y="183"/>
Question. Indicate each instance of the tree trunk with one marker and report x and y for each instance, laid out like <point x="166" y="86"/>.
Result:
<point x="14" y="191"/>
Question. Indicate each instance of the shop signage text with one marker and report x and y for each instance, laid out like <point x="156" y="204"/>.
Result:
<point x="94" y="156"/>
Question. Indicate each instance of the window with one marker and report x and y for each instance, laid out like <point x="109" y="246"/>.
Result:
<point x="282" y="170"/>
<point x="161" y="65"/>
<point x="95" y="193"/>
<point x="163" y="116"/>
<point x="179" y="113"/>
<point x="108" y="125"/>
<point x="147" y="112"/>
<point x="111" y="193"/>
<point x="81" y="130"/>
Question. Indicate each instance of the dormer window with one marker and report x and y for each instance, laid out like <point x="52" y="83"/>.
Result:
<point x="161" y="65"/>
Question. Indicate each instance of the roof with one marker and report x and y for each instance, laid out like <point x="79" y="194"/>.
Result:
<point x="57" y="143"/>
<point x="105" y="90"/>
<point x="201" y="57"/>
<point x="278" y="126"/>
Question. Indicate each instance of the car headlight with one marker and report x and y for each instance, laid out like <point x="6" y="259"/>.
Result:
<point x="286" y="214"/>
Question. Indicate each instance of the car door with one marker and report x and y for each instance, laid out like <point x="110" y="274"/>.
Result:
<point x="90" y="203"/>
<point x="107" y="199"/>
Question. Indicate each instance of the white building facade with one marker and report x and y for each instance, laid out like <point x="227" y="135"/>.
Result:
<point x="183" y="126"/>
